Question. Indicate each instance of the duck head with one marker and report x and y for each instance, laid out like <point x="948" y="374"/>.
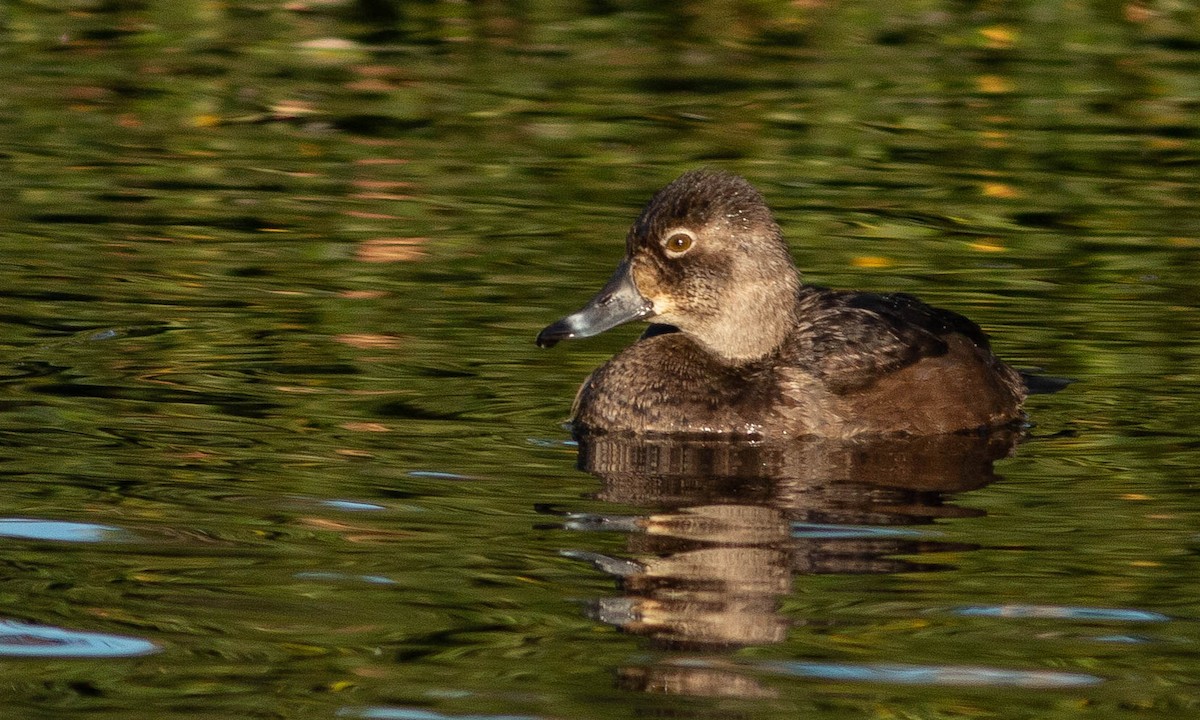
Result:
<point x="707" y="257"/>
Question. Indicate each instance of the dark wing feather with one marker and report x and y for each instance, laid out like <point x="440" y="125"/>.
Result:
<point x="851" y="339"/>
<point x="903" y="309"/>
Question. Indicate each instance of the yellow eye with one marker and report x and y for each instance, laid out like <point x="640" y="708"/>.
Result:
<point x="679" y="243"/>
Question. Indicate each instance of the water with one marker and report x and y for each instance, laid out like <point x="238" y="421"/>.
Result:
<point x="277" y="442"/>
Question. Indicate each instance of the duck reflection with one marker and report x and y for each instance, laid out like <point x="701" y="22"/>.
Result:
<point x="733" y="523"/>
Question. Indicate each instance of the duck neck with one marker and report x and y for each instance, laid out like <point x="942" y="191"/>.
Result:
<point x="755" y="324"/>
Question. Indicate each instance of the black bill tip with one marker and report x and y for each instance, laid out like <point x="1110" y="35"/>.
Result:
<point x="551" y="334"/>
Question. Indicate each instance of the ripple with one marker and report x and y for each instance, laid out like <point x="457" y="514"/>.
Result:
<point x="341" y="577"/>
<point x="437" y="475"/>
<point x="352" y="505"/>
<point x="933" y="675"/>
<point x="604" y="563"/>
<point x="18" y="639"/>
<point x="1058" y="612"/>
<point x="825" y="532"/>
<point x="550" y="443"/>
<point x="60" y="530"/>
<point x="383" y="713"/>
<point x="1125" y="639"/>
<point x="591" y="522"/>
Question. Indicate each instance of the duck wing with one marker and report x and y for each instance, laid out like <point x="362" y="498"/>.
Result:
<point x="850" y="339"/>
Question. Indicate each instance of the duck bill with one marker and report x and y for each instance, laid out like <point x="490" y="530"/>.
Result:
<point x="619" y="301"/>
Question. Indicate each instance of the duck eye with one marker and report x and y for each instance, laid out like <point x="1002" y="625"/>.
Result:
<point x="679" y="242"/>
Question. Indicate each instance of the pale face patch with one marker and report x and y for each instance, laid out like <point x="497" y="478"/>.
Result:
<point x="646" y="278"/>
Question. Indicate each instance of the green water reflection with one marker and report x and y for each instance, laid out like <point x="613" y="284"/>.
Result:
<point x="271" y="276"/>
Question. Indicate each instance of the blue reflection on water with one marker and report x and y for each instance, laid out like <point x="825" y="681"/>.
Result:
<point x="415" y="714"/>
<point x="548" y="443"/>
<point x="336" y="576"/>
<point x="932" y="675"/>
<point x="823" y="531"/>
<point x="18" y="639"/>
<point x="352" y="505"/>
<point x="436" y="475"/>
<point x="1057" y="612"/>
<point x="60" y="530"/>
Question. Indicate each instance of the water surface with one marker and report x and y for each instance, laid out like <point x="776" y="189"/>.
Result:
<point x="277" y="442"/>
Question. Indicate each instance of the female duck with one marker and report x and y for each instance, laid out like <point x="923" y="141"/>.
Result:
<point x="741" y="347"/>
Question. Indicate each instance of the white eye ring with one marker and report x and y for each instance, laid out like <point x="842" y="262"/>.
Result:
<point x="678" y="241"/>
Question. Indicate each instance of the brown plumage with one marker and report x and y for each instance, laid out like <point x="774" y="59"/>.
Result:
<point x="740" y="347"/>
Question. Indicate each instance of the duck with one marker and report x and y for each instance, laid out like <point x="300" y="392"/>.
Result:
<point x="738" y="346"/>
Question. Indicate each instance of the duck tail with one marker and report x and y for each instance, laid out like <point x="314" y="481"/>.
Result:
<point x="1043" y="384"/>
